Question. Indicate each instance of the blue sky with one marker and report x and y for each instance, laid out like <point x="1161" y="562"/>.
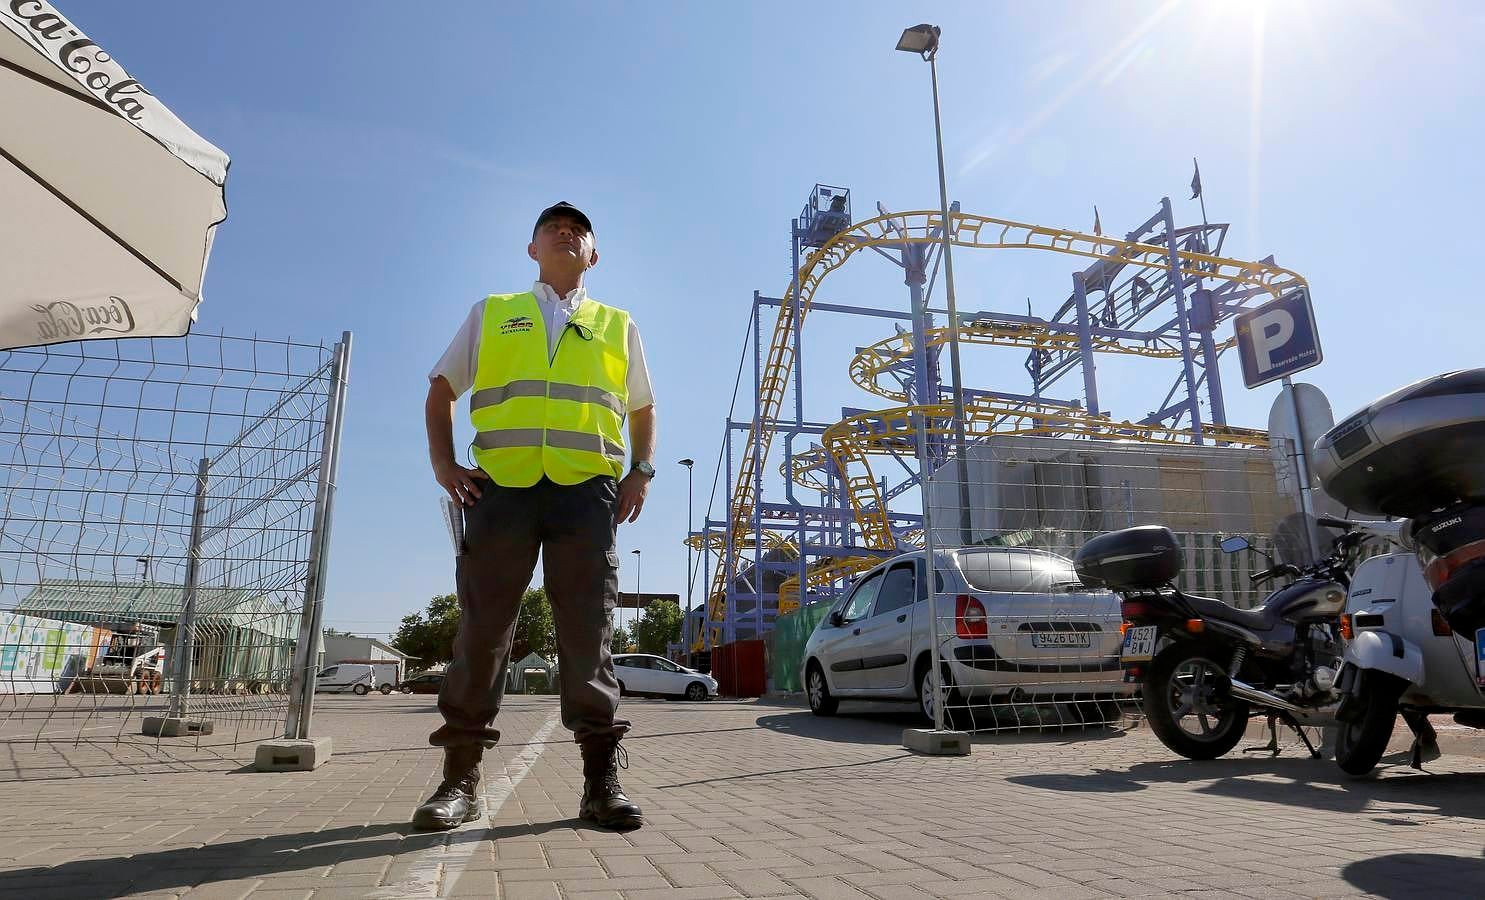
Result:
<point x="388" y="160"/>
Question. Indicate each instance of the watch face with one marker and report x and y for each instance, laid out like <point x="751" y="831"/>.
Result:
<point x="645" y="469"/>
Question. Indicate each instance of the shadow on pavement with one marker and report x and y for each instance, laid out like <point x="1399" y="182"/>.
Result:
<point x="1306" y="783"/>
<point x="1417" y="875"/>
<point x="885" y="728"/>
<point x="186" y="867"/>
<point x="794" y="770"/>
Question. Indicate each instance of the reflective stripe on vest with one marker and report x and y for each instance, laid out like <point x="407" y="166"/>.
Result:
<point x="552" y="389"/>
<point x="561" y="416"/>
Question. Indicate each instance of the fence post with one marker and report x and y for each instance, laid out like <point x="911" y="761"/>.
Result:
<point x="176" y="721"/>
<point x="297" y="750"/>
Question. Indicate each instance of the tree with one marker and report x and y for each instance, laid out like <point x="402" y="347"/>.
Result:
<point x="657" y="626"/>
<point x="535" y="630"/>
<point x="621" y="640"/>
<point x="429" y="638"/>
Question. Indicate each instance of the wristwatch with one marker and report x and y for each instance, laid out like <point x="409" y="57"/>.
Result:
<point x="643" y="467"/>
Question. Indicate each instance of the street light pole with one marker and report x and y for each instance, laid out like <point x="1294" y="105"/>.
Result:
<point x="924" y="40"/>
<point x="638" y="561"/>
<point x="690" y="575"/>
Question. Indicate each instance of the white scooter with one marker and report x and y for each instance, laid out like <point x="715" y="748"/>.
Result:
<point x="1401" y="657"/>
<point x="1414" y="454"/>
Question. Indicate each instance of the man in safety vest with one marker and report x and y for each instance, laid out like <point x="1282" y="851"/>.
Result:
<point x="553" y="374"/>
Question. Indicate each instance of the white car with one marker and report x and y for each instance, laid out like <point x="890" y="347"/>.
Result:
<point x="645" y="674"/>
<point x="357" y="678"/>
<point x="1014" y="623"/>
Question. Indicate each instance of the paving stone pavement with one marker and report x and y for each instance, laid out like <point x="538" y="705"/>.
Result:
<point x="744" y="799"/>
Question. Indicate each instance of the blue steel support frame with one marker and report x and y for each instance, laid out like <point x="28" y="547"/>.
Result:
<point x="1085" y="343"/>
<point x="1183" y="320"/>
<point x="757" y="469"/>
<point x="802" y="569"/>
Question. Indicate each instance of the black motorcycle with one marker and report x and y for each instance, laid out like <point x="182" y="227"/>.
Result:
<point x="1207" y="667"/>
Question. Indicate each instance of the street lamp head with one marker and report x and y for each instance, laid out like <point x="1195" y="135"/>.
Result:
<point x="920" y="39"/>
<point x="688" y="463"/>
<point x="635" y="552"/>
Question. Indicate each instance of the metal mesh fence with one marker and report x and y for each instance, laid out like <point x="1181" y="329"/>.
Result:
<point x="1022" y="642"/>
<point x="157" y="533"/>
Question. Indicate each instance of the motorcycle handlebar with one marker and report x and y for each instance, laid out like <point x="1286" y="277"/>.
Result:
<point x="1273" y="571"/>
<point x="1328" y="522"/>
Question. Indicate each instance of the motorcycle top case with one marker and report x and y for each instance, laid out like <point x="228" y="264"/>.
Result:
<point x="1146" y="557"/>
<point x="1414" y="450"/>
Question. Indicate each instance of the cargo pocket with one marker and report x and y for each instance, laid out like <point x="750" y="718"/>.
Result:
<point x="611" y="583"/>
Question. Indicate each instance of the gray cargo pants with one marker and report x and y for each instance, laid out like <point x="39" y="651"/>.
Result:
<point x="572" y="526"/>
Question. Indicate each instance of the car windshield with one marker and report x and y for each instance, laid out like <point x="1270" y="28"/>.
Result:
<point x="1017" y="572"/>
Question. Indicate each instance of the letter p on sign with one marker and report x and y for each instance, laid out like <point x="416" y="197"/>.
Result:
<point x="1271" y="331"/>
<point x="1278" y="339"/>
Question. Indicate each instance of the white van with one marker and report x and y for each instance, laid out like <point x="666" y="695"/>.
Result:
<point x="358" y="678"/>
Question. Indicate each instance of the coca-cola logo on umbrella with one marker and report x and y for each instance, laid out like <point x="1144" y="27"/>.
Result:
<point x="64" y="320"/>
<point x="75" y="52"/>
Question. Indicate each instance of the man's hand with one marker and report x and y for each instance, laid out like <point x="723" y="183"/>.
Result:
<point x="459" y="482"/>
<point x="632" y="492"/>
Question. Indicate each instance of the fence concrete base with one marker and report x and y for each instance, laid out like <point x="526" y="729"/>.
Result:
<point x="169" y="726"/>
<point x="936" y="743"/>
<point x="292" y="755"/>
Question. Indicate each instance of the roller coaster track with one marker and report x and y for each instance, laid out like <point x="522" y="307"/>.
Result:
<point x="717" y="542"/>
<point x="841" y="441"/>
<point x="880" y="359"/>
<point x="823" y="572"/>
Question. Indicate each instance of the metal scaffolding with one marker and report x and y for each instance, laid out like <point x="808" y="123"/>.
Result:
<point x="1159" y="292"/>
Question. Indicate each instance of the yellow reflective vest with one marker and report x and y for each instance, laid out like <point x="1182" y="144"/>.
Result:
<point x="561" y="417"/>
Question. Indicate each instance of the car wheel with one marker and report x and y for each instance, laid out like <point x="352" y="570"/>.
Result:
<point x="385" y="689"/>
<point x="956" y="710"/>
<point x="695" y="691"/>
<point x="406" y="690"/>
<point x="818" y="691"/>
<point x="360" y="690"/>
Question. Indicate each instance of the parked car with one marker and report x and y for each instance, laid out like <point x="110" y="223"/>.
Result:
<point x="427" y="683"/>
<point x="644" y="674"/>
<point x="356" y="678"/>
<point x="1015" y="623"/>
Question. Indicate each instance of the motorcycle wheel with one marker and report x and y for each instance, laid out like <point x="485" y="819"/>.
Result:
<point x="1187" y="704"/>
<point x="1360" y="742"/>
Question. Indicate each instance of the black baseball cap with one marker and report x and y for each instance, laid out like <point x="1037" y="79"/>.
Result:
<point x="561" y="208"/>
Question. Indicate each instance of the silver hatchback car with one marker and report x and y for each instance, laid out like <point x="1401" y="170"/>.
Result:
<point x="1014" y="624"/>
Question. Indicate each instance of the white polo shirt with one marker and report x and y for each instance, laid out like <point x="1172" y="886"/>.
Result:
<point x="459" y="361"/>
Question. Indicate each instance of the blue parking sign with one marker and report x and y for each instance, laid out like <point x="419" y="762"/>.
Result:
<point x="1278" y="339"/>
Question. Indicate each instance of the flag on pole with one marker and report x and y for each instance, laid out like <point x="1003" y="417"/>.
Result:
<point x="1097" y="223"/>
<point x="1195" y="179"/>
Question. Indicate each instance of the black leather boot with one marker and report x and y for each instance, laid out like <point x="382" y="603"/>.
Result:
<point x="603" y="798"/>
<point x="457" y="799"/>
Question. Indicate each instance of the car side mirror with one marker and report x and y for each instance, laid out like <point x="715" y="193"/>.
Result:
<point x="1234" y="544"/>
<point x="836" y="619"/>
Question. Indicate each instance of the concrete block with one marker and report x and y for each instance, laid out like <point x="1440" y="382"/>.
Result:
<point x="936" y="743"/>
<point x="285" y="755"/>
<point x="168" y="726"/>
